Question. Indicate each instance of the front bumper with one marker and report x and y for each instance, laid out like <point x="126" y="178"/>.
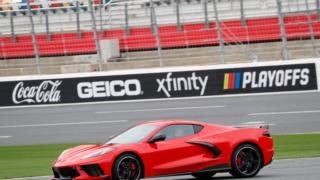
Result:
<point x="83" y="172"/>
<point x="97" y="168"/>
<point x="91" y="178"/>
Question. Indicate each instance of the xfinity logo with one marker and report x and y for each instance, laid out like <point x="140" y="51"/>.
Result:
<point x="174" y="84"/>
<point x="116" y="88"/>
<point x="276" y="78"/>
<point x="47" y="91"/>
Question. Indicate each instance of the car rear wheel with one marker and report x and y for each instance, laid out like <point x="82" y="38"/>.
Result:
<point x="127" y="167"/>
<point x="206" y="175"/>
<point x="246" y="161"/>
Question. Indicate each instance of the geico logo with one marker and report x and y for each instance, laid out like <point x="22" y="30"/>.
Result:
<point x="276" y="78"/>
<point x="116" y="88"/>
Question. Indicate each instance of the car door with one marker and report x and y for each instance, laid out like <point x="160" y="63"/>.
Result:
<point x="174" y="155"/>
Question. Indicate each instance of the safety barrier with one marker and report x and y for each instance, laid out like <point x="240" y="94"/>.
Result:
<point x="163" y="83"/>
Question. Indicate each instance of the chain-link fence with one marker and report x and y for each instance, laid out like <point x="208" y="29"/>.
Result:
<point x="43" y="33"/>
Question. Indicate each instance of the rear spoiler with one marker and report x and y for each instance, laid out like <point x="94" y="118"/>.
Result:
<point x="265" y="126"/>
<point x="262" y="125"/>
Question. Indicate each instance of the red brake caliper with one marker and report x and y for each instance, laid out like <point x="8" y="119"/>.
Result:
<point x="238" y="160"/>
<point x="133" y="167"/>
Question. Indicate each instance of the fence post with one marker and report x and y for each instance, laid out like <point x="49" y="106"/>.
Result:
<point x="95" y="34"/>
<point x="318" y="9"/>
<point x="311" y="29"/>
<point x="178" y="15"/>
<point x="206" y="19"/>
<point x="78" y="19"/>
<point x="285" y="49"/>
<point x="220" y="36"/>
<point x="127" y="19"/>
<point x="151" y="18"/>
<point x="156" y="31"/>
<point x="243" y="19"/>
<point x="13" y="36"/>
<point x="34" y="38"/>
<point x="47" y="25"/>
<point x="101" y="21"/>
<point x="65" y="52"/>
<point x="2" y="50"/>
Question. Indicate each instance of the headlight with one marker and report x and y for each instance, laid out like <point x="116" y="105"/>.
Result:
<point x="98" y="153"/>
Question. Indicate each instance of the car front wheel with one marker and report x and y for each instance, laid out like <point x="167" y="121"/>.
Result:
<point x="246" y="161"/>
<point x="127" y="167"/>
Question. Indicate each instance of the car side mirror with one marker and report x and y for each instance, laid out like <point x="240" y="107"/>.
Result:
<point x="156" y="138"/>
<point x="112" y="136"/>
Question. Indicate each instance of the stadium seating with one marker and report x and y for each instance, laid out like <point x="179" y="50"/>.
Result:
<point x="260" y="27"/>
<point x="114" y="15"/>
<point x="264" y="29"/>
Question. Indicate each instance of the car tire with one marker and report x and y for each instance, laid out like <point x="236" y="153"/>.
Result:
<point x="206" y="175"/>
<point x="246" y="161"/>
<point x="128" y="167"/>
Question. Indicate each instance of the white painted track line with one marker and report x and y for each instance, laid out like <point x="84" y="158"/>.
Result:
<point x="161" y="109"/>
<point x="283" y="113"/>
<point x="32" y="178"/>
<point x="62" y="124"/>
<point x="5" y="137"/>
<point x="302" y="133"/>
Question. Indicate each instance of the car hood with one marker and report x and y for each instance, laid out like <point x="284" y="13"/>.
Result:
<point x="77" y="154"/>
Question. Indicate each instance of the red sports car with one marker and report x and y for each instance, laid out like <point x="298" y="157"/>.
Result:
<point x="164" y="148"/>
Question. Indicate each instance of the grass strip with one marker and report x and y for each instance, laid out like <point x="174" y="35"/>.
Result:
<point x="297" y="146"/>
<point x="31" y="160"/>
<point x="35" y="160"/>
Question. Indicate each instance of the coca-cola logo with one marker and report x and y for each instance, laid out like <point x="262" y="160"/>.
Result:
<point x="46" y="92"/>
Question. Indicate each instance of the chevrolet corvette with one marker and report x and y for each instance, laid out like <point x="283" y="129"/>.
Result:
<point x="169" y="147"/>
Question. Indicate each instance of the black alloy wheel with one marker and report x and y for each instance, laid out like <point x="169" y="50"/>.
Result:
<point x="246" y="161"/>
<point x="127" y="167"/>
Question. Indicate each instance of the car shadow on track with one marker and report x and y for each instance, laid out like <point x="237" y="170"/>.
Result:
<point x="227" y="177"/>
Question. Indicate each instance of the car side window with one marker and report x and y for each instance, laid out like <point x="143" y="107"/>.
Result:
<point x="177" y="131"/>
<point x="197" y="128"/>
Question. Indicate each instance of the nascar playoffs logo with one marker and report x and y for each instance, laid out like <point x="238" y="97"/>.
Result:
<point x="267" y="79"/>
<point x="232" y="80"/>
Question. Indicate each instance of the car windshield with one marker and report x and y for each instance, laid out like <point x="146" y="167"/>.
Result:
<point x="133" y="135"/>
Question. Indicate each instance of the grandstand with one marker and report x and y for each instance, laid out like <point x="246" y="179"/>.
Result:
<point x="181" y="32"/>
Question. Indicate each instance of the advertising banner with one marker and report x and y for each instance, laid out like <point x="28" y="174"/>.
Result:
<point x="160" y="85"/>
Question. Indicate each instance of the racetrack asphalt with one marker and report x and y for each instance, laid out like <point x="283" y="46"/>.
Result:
<point x="287" y="113"/>
<point x="293" y="169"/>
